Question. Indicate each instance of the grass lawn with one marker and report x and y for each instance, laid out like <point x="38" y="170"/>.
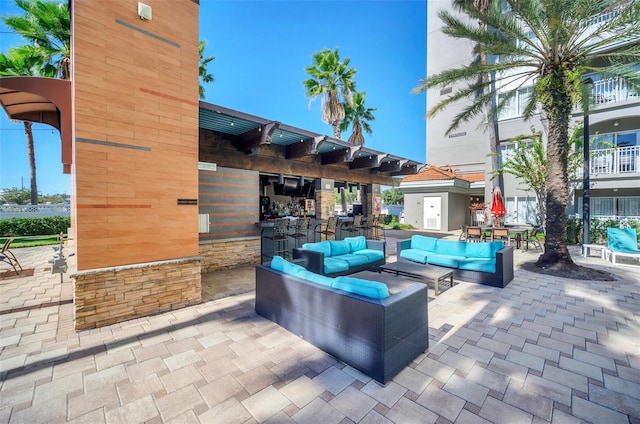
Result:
<point x="31" y="241"/>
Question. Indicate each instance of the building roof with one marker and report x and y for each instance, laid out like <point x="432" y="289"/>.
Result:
<point x="436" y="173"/>
<point x="253" y="132"/>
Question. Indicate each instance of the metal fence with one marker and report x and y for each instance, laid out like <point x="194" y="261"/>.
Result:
<point x="8" y="211"/>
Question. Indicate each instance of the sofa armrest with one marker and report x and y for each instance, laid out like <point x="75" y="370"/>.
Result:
<point x="504" y="264"/>
<point x="402" y="245"/>
<point x="311" y="260"/>
<point x="377" y="245"/>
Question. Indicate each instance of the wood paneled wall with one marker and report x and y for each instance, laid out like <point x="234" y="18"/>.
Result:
<point x="231" y="198"/>
<point x="135" y="151"/>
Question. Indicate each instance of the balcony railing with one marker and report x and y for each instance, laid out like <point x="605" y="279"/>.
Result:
<point x="621" y="160"/>
<point x="613" y="90"/>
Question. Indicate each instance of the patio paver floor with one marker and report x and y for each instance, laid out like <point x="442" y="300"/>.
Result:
<point x="543" y="349"/>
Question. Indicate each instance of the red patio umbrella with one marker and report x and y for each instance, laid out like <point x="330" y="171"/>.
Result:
<point x="497" y="206"/>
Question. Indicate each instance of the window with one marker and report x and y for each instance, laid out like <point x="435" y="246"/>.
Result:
<point x="516" y="105"/>
<point x="506" y="151"/>
<point x="521" y="210"/>
<point x="612" y="207"/>
<point x="629" y="206"/>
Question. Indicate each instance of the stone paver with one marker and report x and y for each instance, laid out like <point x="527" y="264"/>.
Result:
<point x="543" y="349"/>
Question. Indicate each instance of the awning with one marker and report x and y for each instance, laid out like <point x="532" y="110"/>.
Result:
<point x="41" y="100"/>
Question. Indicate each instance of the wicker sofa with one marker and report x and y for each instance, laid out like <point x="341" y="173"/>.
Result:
<point x="488" y="263"/>
<point x="379" y="337"/>
<point x="341" y="257"/>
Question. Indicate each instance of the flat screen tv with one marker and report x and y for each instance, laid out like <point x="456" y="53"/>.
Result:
<point x="278" y="189"/>
<point x="307" y="190"/>
<point x="290" y="187"/>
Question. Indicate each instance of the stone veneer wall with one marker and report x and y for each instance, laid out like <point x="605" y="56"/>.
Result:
<point x="229" y="253"/>
<point x="108" y="295"/>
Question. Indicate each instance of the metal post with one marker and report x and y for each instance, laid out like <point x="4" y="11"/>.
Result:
<point x="586" y="212"/>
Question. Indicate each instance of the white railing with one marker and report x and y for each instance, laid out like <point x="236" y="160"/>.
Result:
<point x="613" y="90"/>
<point x="34" y="211"/>
<point x="621" y="160"/>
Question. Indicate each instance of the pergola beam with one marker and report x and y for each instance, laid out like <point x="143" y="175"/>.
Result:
<point x="257" y="137"/>
<point x="307" y="147"/>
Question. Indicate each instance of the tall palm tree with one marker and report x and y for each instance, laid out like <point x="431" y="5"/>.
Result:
<point x="549" y="44"/>
<point x="47" y="26"/>
<point x="24" y="61"/>
<point x="358" y="117"/>
<point x="205" y="76"/>
<point x="332" y="80"/>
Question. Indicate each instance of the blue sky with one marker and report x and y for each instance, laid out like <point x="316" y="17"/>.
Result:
<point x="261" y="50"/>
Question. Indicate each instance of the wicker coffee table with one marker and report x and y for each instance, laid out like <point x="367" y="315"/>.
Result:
<point x="424" y="273"/>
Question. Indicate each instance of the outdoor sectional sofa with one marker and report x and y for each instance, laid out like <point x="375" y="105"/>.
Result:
<point x="341" y="257"/>
<point x="378" y="336"/>
<point x="488" y="263"/>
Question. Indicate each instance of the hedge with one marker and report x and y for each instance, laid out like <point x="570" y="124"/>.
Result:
<point x="15" y="227"/>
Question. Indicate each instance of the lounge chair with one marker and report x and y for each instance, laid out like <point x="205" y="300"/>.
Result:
<point x="7" y="256"/>
<point x="622" y="242"/>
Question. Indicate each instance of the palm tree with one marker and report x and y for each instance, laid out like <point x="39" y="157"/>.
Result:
<point x="205" y="77"/>
<point x="550" y="44"/>
<point x="24" y="61"/>
<point x="47" y="26"/>
<point x="357" y="116"/>
<point x="332" y="80"/>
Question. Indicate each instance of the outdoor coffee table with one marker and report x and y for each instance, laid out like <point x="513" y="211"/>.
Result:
<point x="424" y="273"/>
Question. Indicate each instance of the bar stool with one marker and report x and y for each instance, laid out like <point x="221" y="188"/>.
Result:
<point x="300" y="231"/>
<point x="328" y="229"/>
<point x="280" y="238"/>
<point x="355" y="227"/>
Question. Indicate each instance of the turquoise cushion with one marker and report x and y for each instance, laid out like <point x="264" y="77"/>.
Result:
<point x="352" y="259"/>
<point x="451" y="261"/>
<point x="356" y="243"/>
<point x="366" y="288"/>
<point x="322" y="247"/>
<point x="315" y="278"/>
<point x="371" y="254"/>
<point x="622" y="239"/>
<point x="332" y="265"/>
<point x="424" y="243"/>
<point x="339" y="247"/>
<point x="483" y="250"/>
<point x="415" y="255"/>
<point x="451" y="247"/>
<point x="478" y="264"/>
<point x="280" y="264"/>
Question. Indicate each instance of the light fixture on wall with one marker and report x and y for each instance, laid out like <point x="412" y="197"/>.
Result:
<point x="616" y="123"/>
<point x="144" y="11"/>
<point x="232" y="122"/>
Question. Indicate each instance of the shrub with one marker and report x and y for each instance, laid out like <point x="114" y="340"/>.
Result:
<point x="597" y="229"/>
<point x="34" y="226"/>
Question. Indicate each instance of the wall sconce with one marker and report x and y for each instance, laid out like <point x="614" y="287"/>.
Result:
<point x="144" y="11"/>
<point x="616" y="123"/>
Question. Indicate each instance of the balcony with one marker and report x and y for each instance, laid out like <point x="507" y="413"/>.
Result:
<point x="610" y="91"/>
<point x="620" y="160"/>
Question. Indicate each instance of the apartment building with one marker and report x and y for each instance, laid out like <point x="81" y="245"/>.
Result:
<point x="445" y="194"/>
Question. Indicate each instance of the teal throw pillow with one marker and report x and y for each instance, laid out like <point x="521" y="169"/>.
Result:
<point x="321" y="247"/>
